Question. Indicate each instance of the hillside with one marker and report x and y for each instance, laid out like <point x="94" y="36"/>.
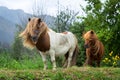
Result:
<point x="9" y="18"/>
<point x="7" y="30"/>
<point x="13" y="16"/>
<point x="74" y="73"/>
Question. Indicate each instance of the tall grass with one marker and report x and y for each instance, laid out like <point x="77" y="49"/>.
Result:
<point x="26" y="62"/>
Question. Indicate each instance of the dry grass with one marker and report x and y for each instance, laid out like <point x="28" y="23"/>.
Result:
<point x="74" y="73"/>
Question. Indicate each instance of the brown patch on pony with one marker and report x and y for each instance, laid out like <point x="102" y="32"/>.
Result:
<point x="65" y="32"/>
<point x="43" y="43"/>
<point x="94" y="48"/>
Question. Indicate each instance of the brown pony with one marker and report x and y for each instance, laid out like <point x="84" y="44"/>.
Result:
<point x="94" y="48"/>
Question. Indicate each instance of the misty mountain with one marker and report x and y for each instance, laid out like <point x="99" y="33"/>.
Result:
<point x="15" y="16"/>
<point x="9" y="18"/>
<point x="7" y="30"/>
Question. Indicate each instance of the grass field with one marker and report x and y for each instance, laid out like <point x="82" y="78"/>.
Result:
<point x="74" y="73"/>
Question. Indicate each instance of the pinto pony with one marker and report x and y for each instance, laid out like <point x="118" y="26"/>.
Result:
<point x="94" y="48"/>
<point x="37" y="34"/>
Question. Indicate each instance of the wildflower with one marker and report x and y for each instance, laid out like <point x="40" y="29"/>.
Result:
<point x="106" y="59"/>
<point x="117" y="57"/>
<point x="113" y="58"/>
<point x="103" y="60"/>
<point x="109" y="60"/>
<point x="111" y="53"/>
<point x="114" y="63"/>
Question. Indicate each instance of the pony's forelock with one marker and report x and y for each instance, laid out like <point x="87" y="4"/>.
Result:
<point x="90" y="35"/>
<point x="27" y="42"/>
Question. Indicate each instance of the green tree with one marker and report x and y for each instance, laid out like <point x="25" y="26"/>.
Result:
<point x="64" y="19"/>
<point x="77" y="28"/>
<point x="18" y="50"/>
<point x="17" y="45"/>
<point x="104" y="18"/>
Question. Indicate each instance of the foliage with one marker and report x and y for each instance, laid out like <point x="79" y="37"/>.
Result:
<point x="64" y="19"/>
<point x="77" y="29"/>
<point x="18" y="50"/>
<point x="27" y="62"/>
<point x="17" y="46"/>
<point x="104" y="19"/>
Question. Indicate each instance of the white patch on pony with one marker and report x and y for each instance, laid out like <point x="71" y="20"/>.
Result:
<point x="60" y="44"/>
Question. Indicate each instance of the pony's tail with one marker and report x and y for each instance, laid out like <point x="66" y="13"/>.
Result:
<point x="74" y="57"/>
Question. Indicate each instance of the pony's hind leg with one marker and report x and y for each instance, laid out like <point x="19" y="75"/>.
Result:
<point x="70" y="58"/>
<point x="44" y="60"/>
<point x="66" y="60"/>
<point x="52" y="55"/>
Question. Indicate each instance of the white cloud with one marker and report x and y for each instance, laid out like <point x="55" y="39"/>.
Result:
<point x="50" y="6"/>
<point x="17" y="4"/>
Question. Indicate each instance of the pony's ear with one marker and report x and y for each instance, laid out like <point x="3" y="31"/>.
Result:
<point x="29" y="19"/>
<point x="92" y="32"/>
<point x="39" y="20"/>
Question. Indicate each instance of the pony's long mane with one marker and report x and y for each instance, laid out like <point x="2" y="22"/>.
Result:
<point x="27" y="42"/>
<point x="90" y="35"/>
<point x="94" y="43"/>
<point x="94" y="48"/>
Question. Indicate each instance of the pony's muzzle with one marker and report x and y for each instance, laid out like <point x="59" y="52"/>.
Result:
<point x="86" y="46"/>
<point x="34" y="38"/>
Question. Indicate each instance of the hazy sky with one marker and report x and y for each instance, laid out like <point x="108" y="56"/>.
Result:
<point x="49" y="6"/>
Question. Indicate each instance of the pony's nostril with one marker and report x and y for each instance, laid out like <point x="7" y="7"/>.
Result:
<point x="34" y="38"/>
<point x="86" y="46"/>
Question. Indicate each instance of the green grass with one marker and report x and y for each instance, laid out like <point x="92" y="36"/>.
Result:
<point x="74" y="73"/>
<point x="31" y="68"/>
<point x="27" y="62"/>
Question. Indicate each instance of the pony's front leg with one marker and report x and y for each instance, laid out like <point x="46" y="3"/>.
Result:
<point x="52" y="55"/>
<point x="44" y="60"/>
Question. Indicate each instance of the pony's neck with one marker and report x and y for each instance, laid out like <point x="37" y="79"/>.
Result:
<point x="44" y="32"/>
<point x="43" y="43"/>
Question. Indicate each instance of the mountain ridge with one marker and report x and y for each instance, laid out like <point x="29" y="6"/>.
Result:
<point x="10" y="18"/>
